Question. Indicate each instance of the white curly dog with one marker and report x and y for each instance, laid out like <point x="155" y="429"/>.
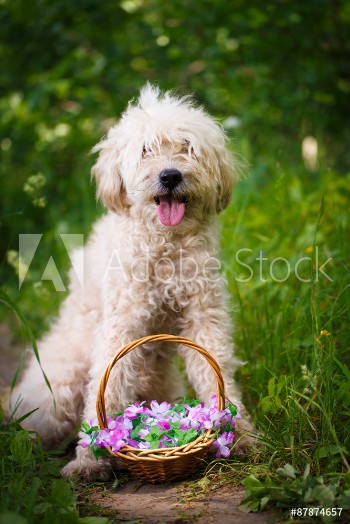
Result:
<point x="150" y="266"/>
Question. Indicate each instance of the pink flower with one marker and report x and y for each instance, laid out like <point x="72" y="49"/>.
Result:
<point x="158" y="410"/>
<point x="102" y="439"/>
<point x="163" y="424"/>
<point x="132" y="411"/>
<point x="185" y="424"/>
<point x="133" y="443"/>
<point x="217" y="417"/>
<point x="197" y="416"/>
<point x="116" y="439"/>
<point x="166" y="442"/>
<point x="162" y="415"/>
<point x="126" y="423"/>
<point x="213" y="402"/>
<point x="119" y="444"/>
<point x="222" y="442"/>
<point x="86" y="442"/>
<point x="144" y="445"/>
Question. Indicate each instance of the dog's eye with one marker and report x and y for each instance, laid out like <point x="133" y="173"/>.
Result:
<point x="144" y="151"/>
<point x="193" y="154"/>
<point x="190" y="150"/>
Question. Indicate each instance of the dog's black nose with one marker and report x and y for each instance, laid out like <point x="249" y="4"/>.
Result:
<point x="170" y="178"/>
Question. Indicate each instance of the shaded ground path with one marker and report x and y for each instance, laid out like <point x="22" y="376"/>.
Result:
<point x="175" y="503"/>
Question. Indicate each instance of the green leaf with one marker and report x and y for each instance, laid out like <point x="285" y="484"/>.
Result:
<point x="1" y="413"/>
<point x="232" y="409"/>
<point x="251" y="483"/>
<point x="21" y="447"/>
<point x="263" y="502"/>
<point x="154" y="444"/>
<point x="322" y="494"/>
<point x="135" y="432"/>
<point x="86" y="427"/>
<point x="347" y="479"/>
<point x="271" y="386"/>
<point x="344" y="500"/>
<point x="287" y="472"/>
<point x="62" y="494"/>
<point x="41" y="508"/>
<point x="306" y="472"/>
<point x="251" y="506"/>
<point x="154" y="434"/>
<point x="187" y="436"/>
<point x="329" y="450"/>
<point x="8" y="517"/>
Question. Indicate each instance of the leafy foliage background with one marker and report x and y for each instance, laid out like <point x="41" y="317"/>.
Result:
<point x="68" y="68"/>
<point x="273" y="73"/>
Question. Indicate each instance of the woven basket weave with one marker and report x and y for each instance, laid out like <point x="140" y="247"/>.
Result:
<point x="165" y="464"/>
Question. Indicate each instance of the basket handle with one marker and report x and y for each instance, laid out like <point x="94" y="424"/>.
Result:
<point x="100" y="403"/>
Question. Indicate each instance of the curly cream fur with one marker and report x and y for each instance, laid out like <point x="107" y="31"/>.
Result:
<point x="141" y="277"/>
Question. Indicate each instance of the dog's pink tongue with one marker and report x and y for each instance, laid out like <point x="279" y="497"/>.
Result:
<point x="170" y="211"/>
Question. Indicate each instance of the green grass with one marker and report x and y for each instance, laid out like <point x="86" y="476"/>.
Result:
<point x="31" y="488"/>
<point x="292" y="332"/>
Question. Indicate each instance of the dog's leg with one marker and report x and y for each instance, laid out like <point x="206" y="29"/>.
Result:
<point x="122" y="388"/>
<point x="211" y="328"/>
<point x="160" y="378"/>
<point x="65" y="362"/>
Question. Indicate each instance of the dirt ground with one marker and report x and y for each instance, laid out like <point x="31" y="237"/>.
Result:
<point x="135" y="502"/>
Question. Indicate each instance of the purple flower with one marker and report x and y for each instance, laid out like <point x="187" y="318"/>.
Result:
<point x="217" y="417"/>
<point x="143" y="433"/>
<point x="162" y="416"/>
<point x="133" y="443"/>
<point x="132" y="411"/>
<point x="166" y="442"/>
<point x="163" y="424"/>
<point x="222" y="442"/>
<point x="149" y="421"/>
<point x="85" y="443"/>
<point x="144" y="445"/>
<point x="213" y="402"/>
<point x="159" y="410"/>
<point x="197" y="416"/>
<point x="117" y="439"/>
<point x="185" y="424"/>
<point x="93" y="422"/>
<point x="119" y="444"/>
<point x="176" y="417"/>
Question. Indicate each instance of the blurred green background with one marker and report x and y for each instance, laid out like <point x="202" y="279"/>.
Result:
<point x="272" y="72"/>
<point x="277" y="75"/>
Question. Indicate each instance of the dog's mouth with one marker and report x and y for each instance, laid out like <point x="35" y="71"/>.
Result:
<point x="170" y="209"/>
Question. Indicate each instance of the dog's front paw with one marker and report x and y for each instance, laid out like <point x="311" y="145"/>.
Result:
<point x="245" y="437"/>
<point x="88" y="469"/>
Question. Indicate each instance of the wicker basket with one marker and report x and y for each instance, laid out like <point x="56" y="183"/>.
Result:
<point x="165" y="464"/>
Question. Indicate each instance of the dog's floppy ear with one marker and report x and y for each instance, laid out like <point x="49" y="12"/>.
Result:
<point x="110" y="186"/>
<point x="226" y="180"/>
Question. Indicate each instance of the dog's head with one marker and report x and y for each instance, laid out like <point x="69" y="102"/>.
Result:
<point x="166" y="158"/>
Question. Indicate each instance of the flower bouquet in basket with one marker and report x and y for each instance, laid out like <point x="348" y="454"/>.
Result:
<point x="163" y="426"/>
<point x="163" y="442"/>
